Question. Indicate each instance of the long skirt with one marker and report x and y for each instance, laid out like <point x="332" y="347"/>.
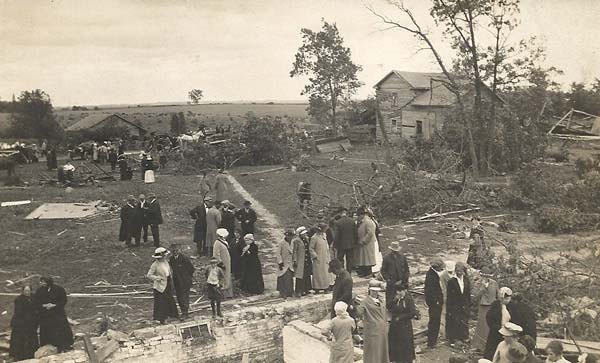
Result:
<point x="401" y="341"/>
<point x="285" y="284"/>
<point x="149" y="176"/>
<point x="164" y="304"/>
<point x="23" y="343"/>
<point x="482" y="330"/>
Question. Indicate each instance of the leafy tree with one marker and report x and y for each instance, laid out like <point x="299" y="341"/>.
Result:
<point x="34" y="117"/>
<point x="195" y="95"/>
<point x="327" y="63"/>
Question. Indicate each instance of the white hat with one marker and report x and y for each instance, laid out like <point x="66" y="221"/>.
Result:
<point x="222" y="232"/>
<point x="504" y="292"/>
<point x="301" y="230"/>
<point x="510" y="329"/>
<point x="340" y="308"/>
<point x="249" y="237"/>
<point x="159" y="252"/>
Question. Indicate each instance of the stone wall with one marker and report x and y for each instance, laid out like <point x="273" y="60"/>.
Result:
<point x="256" y="331"/>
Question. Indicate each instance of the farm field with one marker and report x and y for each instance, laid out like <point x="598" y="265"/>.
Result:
<point x="156" y="118"/>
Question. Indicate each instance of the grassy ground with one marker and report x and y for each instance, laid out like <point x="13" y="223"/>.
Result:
<point x="157" y="118"/>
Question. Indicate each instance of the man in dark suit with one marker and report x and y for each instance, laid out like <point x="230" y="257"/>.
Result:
<point x="154" y="218"/>
<point x="394" y="268"/>
<point x="344" y="240"/>
<point x="131" y="222"/>
<point x="247" y="218"/>
<point x="183" y="273"/>
<point x="434" y="298"/>
<point x="199" y="214"/>
<point x="142" y="206"/>
<point x="342" y="288"/>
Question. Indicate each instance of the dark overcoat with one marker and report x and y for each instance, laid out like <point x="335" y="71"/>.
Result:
<point x="524" y="316"/>
<point x="154" y="215"/>
<point x="54" y="326"/>
<point x="24" y="323"/>
<point x="457" y="310"/>
<point x="494" y="322"/>
<point x="131" y="222"/>
<point x="400" y="335"/>
<point x="345" y="234"/>
<point x="244" y="215"/>
<point x="183" y="272"/>
<point x="433" y="290"/>
<point x="199" y="214"/>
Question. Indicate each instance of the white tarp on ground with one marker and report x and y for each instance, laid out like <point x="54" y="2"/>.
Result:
<point x="65" y="210"/>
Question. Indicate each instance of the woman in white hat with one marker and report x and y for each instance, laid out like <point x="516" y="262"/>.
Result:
<point x="252" y="279"/>
<point x="301" y="262"/>
<point x="221" y="253"/>
<point x="340" y="327"/>
<point x="161" y="275"/>
<point x="496" y="317"/>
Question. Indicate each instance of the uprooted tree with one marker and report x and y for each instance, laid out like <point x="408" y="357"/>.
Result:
<point x="332" y="74"/>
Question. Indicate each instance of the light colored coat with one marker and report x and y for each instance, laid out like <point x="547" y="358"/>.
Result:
<point x="213" y="220"/>
<point x="375" y="330"/>
<point x="366" y="240"/>
<point x="221" y="253"/>
<point x="319" y="252"/>
<point x="283" y="253"/>
<point x="221" y="187"/>
<point x="342" y="349"/>
<point x="159" y="273"/>
<point x="298" y="254"/>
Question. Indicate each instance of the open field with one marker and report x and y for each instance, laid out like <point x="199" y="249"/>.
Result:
<point x="157" y="118"/>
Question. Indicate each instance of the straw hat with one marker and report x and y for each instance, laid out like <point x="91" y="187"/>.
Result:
<point x="395" y="246"/>
<point x="159" y="252"/>
<point x="510" y="330"/>
<point x="301" y="230"/>
<point x="222" y="232"/>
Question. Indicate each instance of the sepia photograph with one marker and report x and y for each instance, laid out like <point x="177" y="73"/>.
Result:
<point x="300" y="181"/>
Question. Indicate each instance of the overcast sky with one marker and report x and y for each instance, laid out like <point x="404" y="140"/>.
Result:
<point x="86" y="52"/>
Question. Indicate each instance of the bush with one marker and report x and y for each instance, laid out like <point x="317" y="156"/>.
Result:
<point x="586" y="165"/>
<point x="552" y="219"/>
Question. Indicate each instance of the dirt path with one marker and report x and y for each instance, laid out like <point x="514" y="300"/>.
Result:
<point x="273" y="232"/>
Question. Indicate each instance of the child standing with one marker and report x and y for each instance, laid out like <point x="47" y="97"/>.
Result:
<point x="214" y="282"/>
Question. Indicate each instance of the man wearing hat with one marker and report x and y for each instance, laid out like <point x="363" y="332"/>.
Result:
<point x="301" y="261"/>
<point x="183" y="273"/>
<point x="131" y="223"/>
<point x="434" y="298"/>
<point x="373" y="313"/>
<point x="394" y="268"/>
<point x="345" y="238"/>
<point x="199" y="214"/>
<point x="487" y="294"/>
<point x="367" y="238"/>
<point x="154" y="218"/>
<point x="247" y="218"/>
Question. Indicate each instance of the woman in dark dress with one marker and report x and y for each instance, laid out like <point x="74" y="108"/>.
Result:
<point x="458" y="303"/>
<point x="252" y="279"/>
<point x="50" y="301"/>
<point x="401" y="341"/>
<point x="235" y="251"/>
<point x="23" y="337"/>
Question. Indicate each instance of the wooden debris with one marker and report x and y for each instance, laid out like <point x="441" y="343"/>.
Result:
<point x="61" y="232"/>
<point x="16" y="202"/>
<point x="22" y="280"/>
<point x="264" y="171"/>
<point x="431" y="217"/>
<point x="17" y="233"/>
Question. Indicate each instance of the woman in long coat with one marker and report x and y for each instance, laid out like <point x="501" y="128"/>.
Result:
<point x="367" y="238"/>
<point x="213" y="220"/>
<point x="301" y="262"/>
<point x="161" y="275"/>
<point x="319" y="253"/>
<point x="341" y="327"/>
<point x="221" y="186"/>
<point x="50" y="301"/>
<point x="285" y="273"/>
<point x="252" y="278"/>
<point x="401" y="340"/>
<point x="496" y="317"/>
<point x="458" y="305"/>
<point x="221" y="253"/>
<point x="372" y="311"/>
<point x="24" y="323"/>
<point x="487" y="294"/>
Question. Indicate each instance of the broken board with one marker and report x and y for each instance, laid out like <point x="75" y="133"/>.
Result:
<point x="333" y="144"/>
<point x="64" y="210"/>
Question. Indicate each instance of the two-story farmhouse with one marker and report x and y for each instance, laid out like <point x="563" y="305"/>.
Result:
<point x="412" y="103"/>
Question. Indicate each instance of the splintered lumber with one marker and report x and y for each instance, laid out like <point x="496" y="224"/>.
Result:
<point x="106" y="350"/>
<point x="22" y="280"/>
<point x="13" y="203"/>
<point x="264" y="171"/>
<point x="569" y="346"/>
<point x="89" y="349"/>
<point x="432" y="216"/>
<point x="125" y="286"/>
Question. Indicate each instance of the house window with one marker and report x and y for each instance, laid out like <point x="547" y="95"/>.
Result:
<point x="394" y="125"/>
<point x="419" y="130"/>
<point x="394" y="99"/>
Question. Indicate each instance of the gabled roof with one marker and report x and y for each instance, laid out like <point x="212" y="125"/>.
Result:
<point x="417" y="80"/>
<point x="439" y="95"/>
<point x="96" y="118"/>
